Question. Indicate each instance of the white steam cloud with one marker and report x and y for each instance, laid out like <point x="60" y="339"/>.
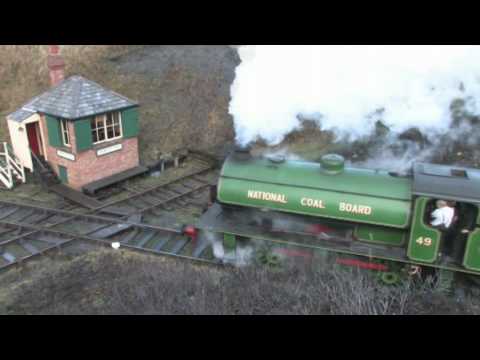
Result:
<point x="348" y="88"/>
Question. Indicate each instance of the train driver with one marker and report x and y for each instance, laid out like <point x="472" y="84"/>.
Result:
<point x="442" y="217"/>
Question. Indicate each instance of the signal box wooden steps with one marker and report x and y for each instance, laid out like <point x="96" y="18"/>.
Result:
<point x="93" y="187"/>
<point x="84" y="200"/>
<point x="75" y="196"/>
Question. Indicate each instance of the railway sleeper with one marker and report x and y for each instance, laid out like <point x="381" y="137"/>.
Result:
<point x="169" y="207"/>
<point x="129" y="189"/>
<point x="109" y="231"/>
<point x="39" y="218"/>
<point x="145" y="238"/>
<point x="170" y="196"/>
<point x="188" y="185"/>
<point x="197" y="194"/>
<point x="25" y="215"/>
<point x="156" y="212"/>
<point x="100" y="226"/>
<point x="129" y="238"/>
<point x="179" y="245"/>
<point x="115" y="211"/>
<point x="189" y="189"/>
<point x="49" y="238"/>
<point x="9" y="211"/>
<point x="55" y="219"/>
<point x="163" y="242"/>
<point x="10" y="258"/>
<point x="176" y="190"/>
<point x="192" y="184"/>
<point x="29" y="247"/>
<point x="194" y="202"/>
<point x="201" y="179"/>
<point x="200" y="248"/>
<point x="181" y="202"/>
<point x="159" y="195"/>
<point x="133" y="204"/>
<point x="18" y="231"/>
<point x="148" y="202"/>
<point x="7" y="230"/>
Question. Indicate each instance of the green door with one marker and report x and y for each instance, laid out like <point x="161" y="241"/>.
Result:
<point x="424" y="240"/>
<point x="62" y="174"/>
<point x="471" y="260"/>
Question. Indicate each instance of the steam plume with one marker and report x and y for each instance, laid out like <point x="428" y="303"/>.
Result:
<point x="349" y="88"/>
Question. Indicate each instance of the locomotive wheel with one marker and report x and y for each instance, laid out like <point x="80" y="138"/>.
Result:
<point x="269" y="259"/>
<point x="272" y="260"/>
<point x="445" y="280"/>
<point x="390" y="278"/>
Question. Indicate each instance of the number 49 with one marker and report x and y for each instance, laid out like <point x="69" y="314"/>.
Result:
<point x="424" y="241"/>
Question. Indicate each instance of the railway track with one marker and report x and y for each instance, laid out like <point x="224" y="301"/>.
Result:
<point x="29" y="228"/>
<point x="178" y="193"/>
<point x="27" y="231"/>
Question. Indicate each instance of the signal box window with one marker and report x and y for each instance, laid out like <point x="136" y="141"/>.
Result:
<point x="65" y="134"/>
<point x="106" y="127"/>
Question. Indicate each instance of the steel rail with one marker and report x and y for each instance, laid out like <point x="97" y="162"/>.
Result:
<point x="40" y="252"/>
<point x="73" y="216"/>
<point x="153" y="189"/>
<point x="92" y="216"/>
<point x="86" y="216"/>
<point x="74" y="236"/>
<point x="161" y="203"/>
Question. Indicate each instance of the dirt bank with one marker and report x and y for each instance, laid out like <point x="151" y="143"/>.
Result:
<point x="185" y="96"/>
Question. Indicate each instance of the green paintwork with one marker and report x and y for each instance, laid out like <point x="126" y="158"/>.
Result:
<point x="380" y="235"/>
<point x="62" y="174"/>
<point x="309" y="175"/>
<point x="83" y="134"/>
<point x="389" y="197"/>
<point x="229" y="241"/>
<point x="422" y="252"/>
<point x="54" y="133"/>
<point x="130" y="122"/>
<point x="472" y="254"/>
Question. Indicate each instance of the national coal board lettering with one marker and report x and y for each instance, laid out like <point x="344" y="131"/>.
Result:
<point x="355" y="209"/>
<point x="313" y="203"/>
<point x="267" y="196"/>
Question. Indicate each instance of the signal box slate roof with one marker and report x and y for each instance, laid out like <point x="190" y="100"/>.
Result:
<point x="447" y="182"/>
<point x="74" y="98"/>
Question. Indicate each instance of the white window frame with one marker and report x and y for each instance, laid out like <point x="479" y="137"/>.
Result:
<point x="103" y="118"/>
<point x="65" y="132"/>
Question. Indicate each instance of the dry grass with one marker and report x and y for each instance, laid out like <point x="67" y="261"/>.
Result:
<point x="108" y="282"/>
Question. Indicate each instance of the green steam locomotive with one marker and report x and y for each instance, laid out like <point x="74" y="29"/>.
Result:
<point x="376" y="216"/>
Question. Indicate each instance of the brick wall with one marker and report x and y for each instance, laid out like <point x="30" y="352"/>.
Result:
<point x="89" y="167"/>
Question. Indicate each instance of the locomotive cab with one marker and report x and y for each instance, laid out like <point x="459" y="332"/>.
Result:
<point x="461" y="240"/>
